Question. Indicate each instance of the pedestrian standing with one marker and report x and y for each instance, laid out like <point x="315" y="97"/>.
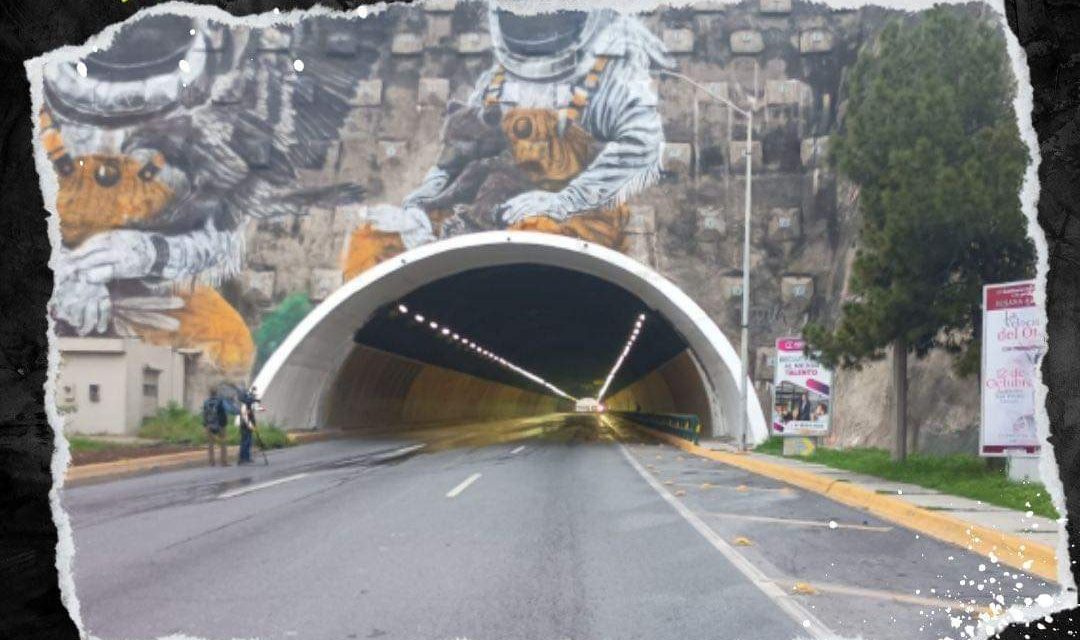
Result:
<point x="214" y="421"/>
<point x="247" y="424"/>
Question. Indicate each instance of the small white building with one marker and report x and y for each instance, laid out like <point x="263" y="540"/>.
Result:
<point x="108" y="385"/>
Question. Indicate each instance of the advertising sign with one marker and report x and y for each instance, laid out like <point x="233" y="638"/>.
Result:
<point x="802" y="390"/>
<point x="1011" y="348"/>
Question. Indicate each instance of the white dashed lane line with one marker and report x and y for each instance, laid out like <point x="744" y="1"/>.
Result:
<point x="262" y="485"/>
<point x="453" y="493"/>
<point x="518" y="450"/>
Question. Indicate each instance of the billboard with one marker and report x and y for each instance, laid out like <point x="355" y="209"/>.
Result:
<point x="802" y="392"/>
<point x="1013" y="343"/>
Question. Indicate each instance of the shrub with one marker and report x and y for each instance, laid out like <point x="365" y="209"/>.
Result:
<point x="176" y="425"/>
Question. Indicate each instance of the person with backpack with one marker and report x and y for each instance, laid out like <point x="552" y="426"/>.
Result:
<point x="215" y="419"/>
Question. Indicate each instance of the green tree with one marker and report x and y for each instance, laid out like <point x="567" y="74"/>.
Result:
<point x="930" y="138"/>
<point x="277" y="325"/>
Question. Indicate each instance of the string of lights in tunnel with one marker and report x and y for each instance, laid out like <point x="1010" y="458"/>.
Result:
<point x="479" y="350"/>
<point x="634" y="333"/>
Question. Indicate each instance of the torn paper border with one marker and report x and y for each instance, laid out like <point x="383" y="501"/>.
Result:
<point x="1029" y="196"/>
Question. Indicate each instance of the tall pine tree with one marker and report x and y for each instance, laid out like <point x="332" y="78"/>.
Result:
<point x="930" y="138"/>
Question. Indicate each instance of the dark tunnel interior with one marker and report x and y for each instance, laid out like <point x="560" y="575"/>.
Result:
<point x="565" y="326"/>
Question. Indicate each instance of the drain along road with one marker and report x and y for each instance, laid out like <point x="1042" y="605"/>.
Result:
<point x="549" y="528"/>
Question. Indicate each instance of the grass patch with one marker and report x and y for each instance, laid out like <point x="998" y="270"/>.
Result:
<point x="82" y="444"/>
<point x="174" y="424"/>
<point x="964" y="475"/>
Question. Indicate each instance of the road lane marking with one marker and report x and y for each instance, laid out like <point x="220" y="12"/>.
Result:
<point x="463" y="486"/>
<point x="902" y="598"/>
<point x="795" y="610"/>
<point x="397" y="453"/>
<point x="261" y="485"/>
<point x="800" y="523"/>
<point x="518" y="450"/>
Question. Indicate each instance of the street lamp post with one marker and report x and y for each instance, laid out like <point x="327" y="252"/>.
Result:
<point x="745" y="328"/>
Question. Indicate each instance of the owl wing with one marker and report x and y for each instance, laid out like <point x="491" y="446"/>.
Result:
<point x="278" y="111"/>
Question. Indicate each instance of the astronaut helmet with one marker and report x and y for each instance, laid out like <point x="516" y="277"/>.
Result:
<point x="542" y="46"/>
<point x="152" y="65"/>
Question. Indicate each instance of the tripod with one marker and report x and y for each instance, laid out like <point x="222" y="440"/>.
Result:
<point x="262" y="447"/>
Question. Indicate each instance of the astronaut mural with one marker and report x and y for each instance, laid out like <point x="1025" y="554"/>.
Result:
<point x="168" y="143"/>
<point x="555" y="137"/>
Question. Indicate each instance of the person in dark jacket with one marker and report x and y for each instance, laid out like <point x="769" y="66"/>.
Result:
<point x="804" y="409"/>
<point x="215" y="418"/>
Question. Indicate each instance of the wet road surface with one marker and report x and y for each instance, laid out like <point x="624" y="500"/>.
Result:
<point x="548" y="528"/>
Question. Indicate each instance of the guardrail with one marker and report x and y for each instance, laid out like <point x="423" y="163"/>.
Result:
<point x="683" y="425"/>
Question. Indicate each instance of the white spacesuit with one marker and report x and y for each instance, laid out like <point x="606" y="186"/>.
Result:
<point x="566" y="82"/>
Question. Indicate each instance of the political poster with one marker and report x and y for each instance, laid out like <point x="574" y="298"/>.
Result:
<point x="1012" y="345"/>
<point x="802" y="389"/>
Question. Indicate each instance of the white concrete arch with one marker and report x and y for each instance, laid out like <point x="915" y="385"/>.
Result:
<point x="299" y="374"/>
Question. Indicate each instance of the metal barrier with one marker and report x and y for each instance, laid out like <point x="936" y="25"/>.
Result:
<point x="686" y="426"/>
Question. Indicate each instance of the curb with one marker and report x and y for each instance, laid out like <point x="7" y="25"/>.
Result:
<point x="1019" y="553"/>
<point x="103" y="471"/>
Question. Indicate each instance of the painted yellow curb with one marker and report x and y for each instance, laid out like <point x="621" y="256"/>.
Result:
<point x="130" y="466"/>
<point x="1027" y="555"/>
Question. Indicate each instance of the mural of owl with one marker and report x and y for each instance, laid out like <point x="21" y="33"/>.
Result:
<point x="163" y="145"/>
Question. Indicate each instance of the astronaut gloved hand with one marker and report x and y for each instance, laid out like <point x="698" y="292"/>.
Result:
<point x="534" y="203"/>
<point x="108" y="256"/>
<point x="86" y="306"/>
<point x="411" y="223"/>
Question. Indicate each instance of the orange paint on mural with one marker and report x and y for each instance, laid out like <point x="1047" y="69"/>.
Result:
<point x="367" y="248"/>
<point x="208" y="322"/>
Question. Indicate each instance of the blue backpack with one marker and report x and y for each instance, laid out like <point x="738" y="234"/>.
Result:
<point x="213" y="414"/>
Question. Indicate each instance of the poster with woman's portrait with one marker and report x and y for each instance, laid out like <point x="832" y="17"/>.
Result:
<point x="801" y="391"/>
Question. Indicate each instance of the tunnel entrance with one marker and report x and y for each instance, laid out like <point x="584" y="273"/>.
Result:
<point x="555" y="306"/>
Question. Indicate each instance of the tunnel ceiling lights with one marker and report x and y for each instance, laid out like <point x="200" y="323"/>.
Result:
<point x="634" y="333"/>
<point x="481" y="351"/>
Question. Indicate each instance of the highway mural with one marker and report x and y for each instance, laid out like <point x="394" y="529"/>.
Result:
<point x="171" y="142"/>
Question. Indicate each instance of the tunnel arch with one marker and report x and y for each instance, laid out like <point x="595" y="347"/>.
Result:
<point x="300" y="375"/>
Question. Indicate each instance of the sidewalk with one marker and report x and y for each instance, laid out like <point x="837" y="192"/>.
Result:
<point x="1001" y="535"/>
<point x="1037" y="529"/>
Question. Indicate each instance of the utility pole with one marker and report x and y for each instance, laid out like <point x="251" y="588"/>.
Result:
<point x="744" y="426"/>
<point x="748" y="153"/>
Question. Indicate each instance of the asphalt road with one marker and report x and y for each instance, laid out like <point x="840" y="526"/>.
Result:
<point x="553" y="528"/>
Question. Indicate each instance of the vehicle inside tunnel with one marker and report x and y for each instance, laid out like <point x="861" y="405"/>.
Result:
<point x="564" y="326"/>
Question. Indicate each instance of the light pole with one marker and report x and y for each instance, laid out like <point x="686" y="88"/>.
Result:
<point x="745" y="329"/>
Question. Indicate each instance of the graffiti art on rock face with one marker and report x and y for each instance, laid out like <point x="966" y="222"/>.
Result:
<point x="163" y="145"/>
<point x="183" y="131"/>
<point x="554" y="137"/>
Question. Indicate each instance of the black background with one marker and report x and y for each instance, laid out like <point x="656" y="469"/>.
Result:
<point x="30" y="606"/>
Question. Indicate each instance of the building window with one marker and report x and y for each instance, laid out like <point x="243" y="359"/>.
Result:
<point x="95" y="393"/>
<point x="150" y="383"/>
<point x="69" y="393"/>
